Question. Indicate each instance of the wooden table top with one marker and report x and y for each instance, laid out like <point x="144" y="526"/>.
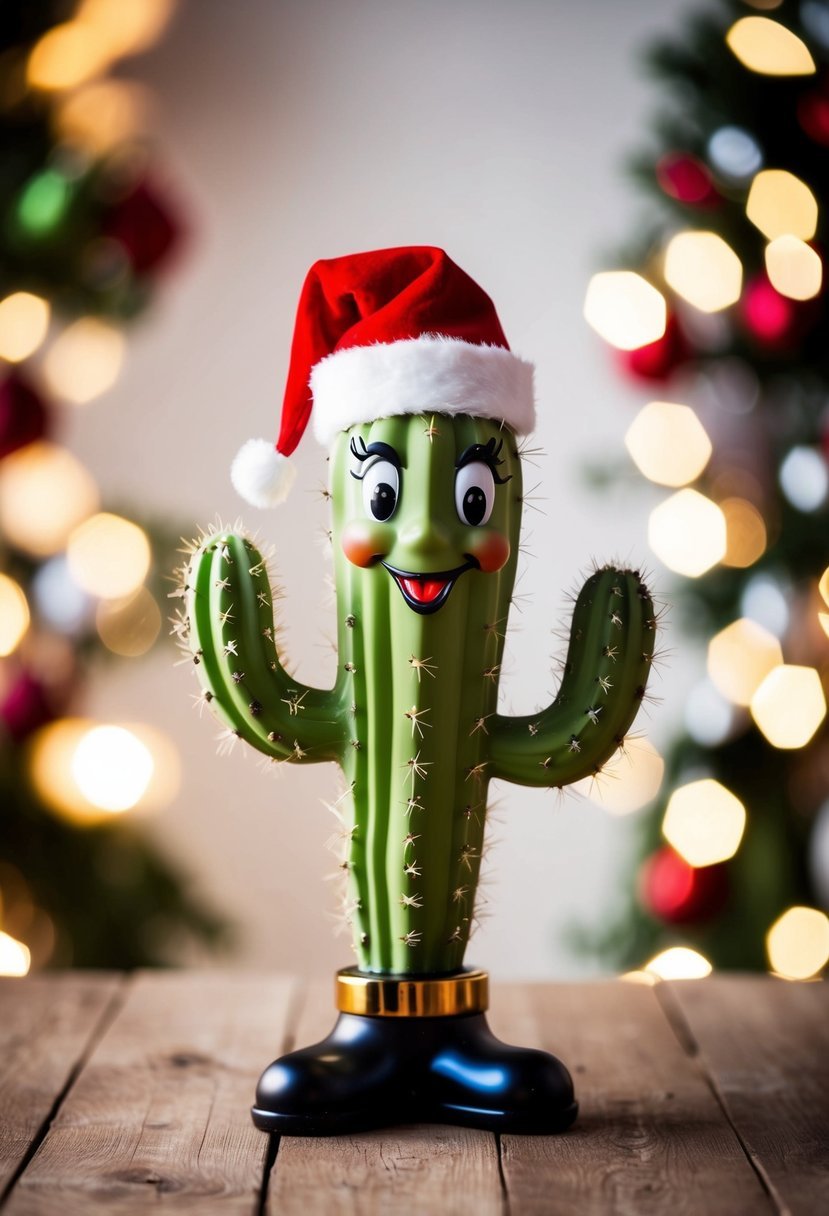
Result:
<point x="131" y="1093"/>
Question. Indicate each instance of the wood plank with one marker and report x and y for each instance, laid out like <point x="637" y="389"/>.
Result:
<point x="765" y="1044"/>
<point x="46" y="1025"/>
<point x="159" y="1116"/>
<point x="650" y="1137"/>
<point x="410" y="1171"/>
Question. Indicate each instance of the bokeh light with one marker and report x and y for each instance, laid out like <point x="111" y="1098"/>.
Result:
<point x="679" y="963"/>
<point x="704" y="822"/>
<point x="709" y="717"/>
<point x="735" y="155"/>
<point x="60" y="602"/>
<point x="126" y="26"/>
<point x="668" y="443"/>
<point x="780" y="204"/>
<point x="740" y="657"/>
<point x="789" y="706"/>
<point x="794" y="268"/>
<point x="112" y="767"/>
<point x="687" y="533"/>
<point x="625" y="309"/>
<point x="101" y="115"/>
<point x="804" y="478"/>
<point x="745" y="533"/>
<point x="15" y="958"/>
<point x="67" y="55"/>
<point x="797" y="944"/>
<point x="24" y="322"/>
<point x="629" y="781"/>
<point x="769" y="48"/>
<point x="44" y="493"/>
<point x="84" y="361"/>
<point x="130" y="626"/>
<point x="108" y="556"/>
<point x="823" y="588"/>
<point x="14" y="615"/>
<point x="765" y="601"/>
<point x="704" y="270"/>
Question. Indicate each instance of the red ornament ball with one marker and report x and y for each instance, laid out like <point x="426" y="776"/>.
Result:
<point x="145" y="225"/>
<point x="813" y="112"/>
<point x="683" y="177"/>
<point x="23" y="414"/>
<point x="769" y="317"/>
<point x="658" y="359"/>
<point x="679" y="894"/>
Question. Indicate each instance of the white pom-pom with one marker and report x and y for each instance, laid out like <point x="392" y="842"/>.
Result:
<point x="261" y="475"/>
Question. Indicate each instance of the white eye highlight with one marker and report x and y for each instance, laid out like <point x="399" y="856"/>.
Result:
<point x="381" y="488"/>
<point x="474" y="493"/>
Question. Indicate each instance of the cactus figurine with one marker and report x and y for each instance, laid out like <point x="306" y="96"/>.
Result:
<point x="421" y="401"/>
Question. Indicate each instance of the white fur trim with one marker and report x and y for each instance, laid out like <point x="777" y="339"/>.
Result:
<point x="430" y="374"/>
<point x="262" y="475"/>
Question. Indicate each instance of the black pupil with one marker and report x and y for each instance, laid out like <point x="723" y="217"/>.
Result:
<point x="474" y="505"/>
<point x="383" y="500"/>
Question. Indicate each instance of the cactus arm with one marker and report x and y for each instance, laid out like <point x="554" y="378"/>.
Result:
<point x="607" y="666"/>
<point x="231" y="633"/>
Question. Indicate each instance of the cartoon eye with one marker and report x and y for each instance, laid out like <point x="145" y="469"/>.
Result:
<point x="474" y="493"/>
<point x="381" y="487"/>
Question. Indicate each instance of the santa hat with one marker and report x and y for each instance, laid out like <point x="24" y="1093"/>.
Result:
<point x="394" y="331"/>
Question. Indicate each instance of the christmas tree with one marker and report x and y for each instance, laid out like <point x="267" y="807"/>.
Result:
<point x="84" y="232"/>
<point x="720" y="308"/>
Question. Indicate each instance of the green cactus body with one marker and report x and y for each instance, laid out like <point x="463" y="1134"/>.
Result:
<point x="412" y="717"/>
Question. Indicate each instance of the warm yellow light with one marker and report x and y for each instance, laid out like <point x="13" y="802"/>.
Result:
<point x="14" y="615"/>
<point x="15" y="958"/>
<point x="108" y="556"/>
<point x="625" y="309"/>
<point x="127" y="26"/>
<point x="129" y="626"/>
<point x="668" y="443"/>
<point x="687" y="532"/>
<point x="85" y="360"/>
<point x="794" y="268"/>
<point x="789" y="706"/>
<point x="102" y="115"/>
<point x="704" y="270"/>
<point x="679" y="963"/>
<point x="638" y="977"/>
<point x="629" y="781"/>
<point x="24" y="320"/>
<point x="780" y="204"/>
<point x="745" y="533"/>
<point x="112" y="768"/>
<point x="740" y="657"/>
<point x="704" y="822"/>
<point x="797" y="944"/>
<point x="767" y="47"/>
<point x="44" y="493"/>
<point x="67" y="55"/>
<point x="823" y="588"/>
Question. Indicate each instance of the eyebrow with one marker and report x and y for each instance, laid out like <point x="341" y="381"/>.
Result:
<point x="488" y="453"/>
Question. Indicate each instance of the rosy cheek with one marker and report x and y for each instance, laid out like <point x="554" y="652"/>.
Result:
<point x="492" y="551"/>
<point x="363" y="543"/>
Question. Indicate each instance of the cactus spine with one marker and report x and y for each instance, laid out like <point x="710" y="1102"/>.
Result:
<point x="412" y="718"/>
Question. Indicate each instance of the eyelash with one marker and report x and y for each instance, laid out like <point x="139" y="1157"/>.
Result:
<point x="490" y="455"/>
<point x="365" y="455"/>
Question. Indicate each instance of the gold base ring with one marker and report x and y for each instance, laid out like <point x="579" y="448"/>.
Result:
<point x="406" y="996"/>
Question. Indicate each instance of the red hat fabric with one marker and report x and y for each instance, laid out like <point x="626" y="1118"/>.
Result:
<point x="392" y="331"/>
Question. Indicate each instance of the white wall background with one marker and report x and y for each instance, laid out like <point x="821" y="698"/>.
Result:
<point x="305" y="129"/>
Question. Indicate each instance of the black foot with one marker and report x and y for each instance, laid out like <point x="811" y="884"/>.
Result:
<point x="376" y="1072"/>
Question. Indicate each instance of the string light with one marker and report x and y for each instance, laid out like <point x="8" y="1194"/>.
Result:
<point x="24" y="321"/>
<point x="102" y="115"/>
<point x="745" y="533"/>
<point x="85" y="360"/>
<point x="14" y="615"/>
<point x="804" y="478"/>
<point x="625" y="309"/>
<point x="687" y="532"/>
<point x="735" y="154"/>
<point x="43" y="202"/>
<point x="769" y="48"/>
<point x="15" y="958"/>
<point x="60" y="602"/>
<point x="704" y="270"/>
<point x="794" y="268"/>
<point x="129" y="627"/>
<point x="112" y="768"/>
<point x="740" y="657"/>
<point x="780" y="204"/>
<point x="126" y="26"/>
<point x="67" y="55"/>
<point x="668" y="443"/>
<point x="797" y="944"/>
<point x="709" y="717"/>
<point x="679" y="963"/>
<point x="704" y="822"/>
<point x="628" y="782"/>
<point x="44" y="493"/>
<point x="823" y="588"/>
<point x="789" y="706"/>
<point x="108" y="556"/>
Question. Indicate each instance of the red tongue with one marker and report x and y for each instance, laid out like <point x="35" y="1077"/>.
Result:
<point x="423" y="590"/>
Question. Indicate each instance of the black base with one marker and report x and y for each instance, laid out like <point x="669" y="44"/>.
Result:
<point x="380" y="1071"/>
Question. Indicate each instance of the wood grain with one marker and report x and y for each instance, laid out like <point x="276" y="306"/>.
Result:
<point x="46" y="1024"/>
<point x="651" y="1136"/>
<point x="159" y="1116"/>
<point x="408" y="1171"/>
<point x="765" y="1044"/>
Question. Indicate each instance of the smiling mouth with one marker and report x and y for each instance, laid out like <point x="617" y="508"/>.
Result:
<point x="426" y="593"/>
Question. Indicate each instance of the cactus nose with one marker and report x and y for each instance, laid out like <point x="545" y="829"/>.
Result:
<point x="424" y="538"/>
